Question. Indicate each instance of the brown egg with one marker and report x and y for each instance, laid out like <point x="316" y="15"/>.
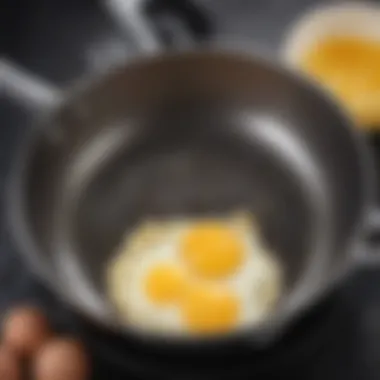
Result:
<point x="10" y="367"/>
<point x="25" y="329"/>
<point x="61" y="359"/>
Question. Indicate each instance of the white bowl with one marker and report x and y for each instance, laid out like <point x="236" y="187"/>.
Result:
<point x="343" y="19"/>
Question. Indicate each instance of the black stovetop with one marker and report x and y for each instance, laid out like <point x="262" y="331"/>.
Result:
<point x="63" y="39"/>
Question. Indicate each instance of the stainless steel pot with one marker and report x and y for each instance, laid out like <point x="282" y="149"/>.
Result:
<point x="195" y="132"/>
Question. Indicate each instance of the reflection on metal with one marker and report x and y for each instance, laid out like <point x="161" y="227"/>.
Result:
<point x="31" y="91"/>
<point x="129" y="15"/>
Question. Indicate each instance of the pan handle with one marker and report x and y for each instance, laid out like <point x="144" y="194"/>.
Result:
<point x="129" y="17"/>
<point x="183" y="24"/>
<point x="32" y="92"/>
<point x="370" y="254"/>
<point x="132" y="16"/>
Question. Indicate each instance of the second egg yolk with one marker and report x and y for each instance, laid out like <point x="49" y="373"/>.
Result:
<point x="210" y="310"/>
<point x="212" y="250"/>
<point x="164" y="284"/>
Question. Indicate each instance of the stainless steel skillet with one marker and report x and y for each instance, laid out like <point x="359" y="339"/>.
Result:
<point x="191" y="133"/>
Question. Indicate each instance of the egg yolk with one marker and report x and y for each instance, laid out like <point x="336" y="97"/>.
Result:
<point x="164" y="284"/>
<point x="210" y="310"/>
<point x="349" y="68"/>
<point x="212" y="250"/>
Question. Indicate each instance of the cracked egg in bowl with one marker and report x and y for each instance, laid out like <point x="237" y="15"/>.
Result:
<point x="339" y="47"/>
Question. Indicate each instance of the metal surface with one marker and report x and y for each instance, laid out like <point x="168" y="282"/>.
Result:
<point x="32" y="92"/>
<point x="129" y="17"/>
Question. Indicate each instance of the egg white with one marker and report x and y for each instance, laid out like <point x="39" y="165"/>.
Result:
<point x="127" y="273"/>
<point x="256" y="283"/>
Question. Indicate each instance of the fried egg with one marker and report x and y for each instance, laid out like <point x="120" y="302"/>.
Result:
<point x="194" y="276"/>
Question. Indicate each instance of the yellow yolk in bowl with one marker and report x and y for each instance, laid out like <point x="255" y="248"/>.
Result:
<point x="212" y="250"/>
<point x="164" y="284"/>
<point x="210" y="310"/>
<point x="349" y="68"/>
